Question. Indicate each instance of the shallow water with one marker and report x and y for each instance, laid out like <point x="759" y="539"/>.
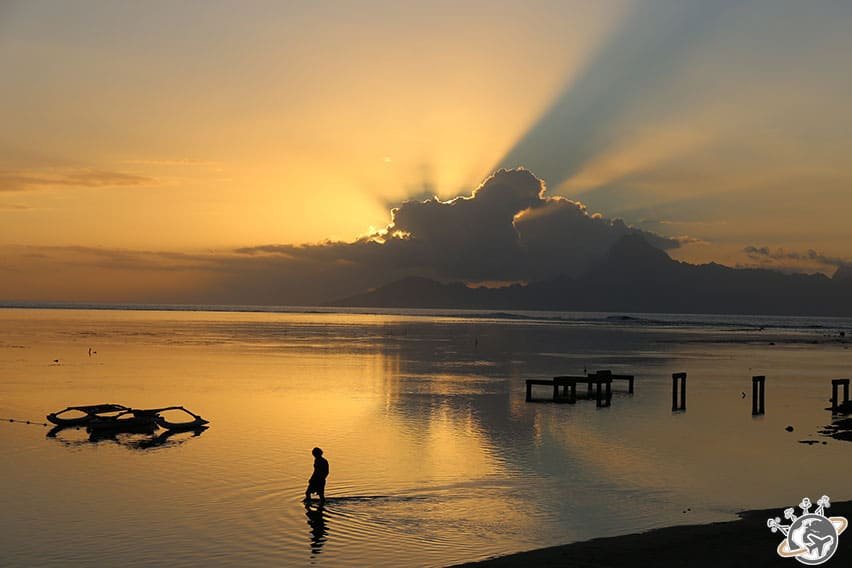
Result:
<point x="435" y="457"/>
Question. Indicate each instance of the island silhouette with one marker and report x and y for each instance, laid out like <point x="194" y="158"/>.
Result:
<point x="634" y="276"/>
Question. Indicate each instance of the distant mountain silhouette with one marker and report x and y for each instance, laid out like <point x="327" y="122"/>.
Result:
<point x="635" y="277"/>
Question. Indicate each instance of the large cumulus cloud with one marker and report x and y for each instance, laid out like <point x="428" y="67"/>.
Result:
<point x="508" y="229"/>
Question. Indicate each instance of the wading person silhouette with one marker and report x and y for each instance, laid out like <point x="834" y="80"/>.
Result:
<point x="316" y="484"/>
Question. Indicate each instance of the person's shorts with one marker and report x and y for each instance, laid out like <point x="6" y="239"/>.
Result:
<point x="316" y="485"/>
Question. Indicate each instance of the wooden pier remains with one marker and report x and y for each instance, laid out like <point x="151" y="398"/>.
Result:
<point x="600" y="381"/>
<point x="758" y="398"/>
<point x="678" y="386"/>
<point x="598" y="385"/>
<point x="835" y="386"/>
<point x="561" y="386"/>
<point x="603" y="376"/>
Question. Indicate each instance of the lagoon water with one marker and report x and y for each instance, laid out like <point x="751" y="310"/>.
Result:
<point x="435" y="457"/>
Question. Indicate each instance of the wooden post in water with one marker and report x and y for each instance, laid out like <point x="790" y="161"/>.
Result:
<point x="758" y="392"/>
<point x="835" y="383"/>
<point x="678" y="380"/>
<point x="568" y="388"/>
<point x="603" y="398"/>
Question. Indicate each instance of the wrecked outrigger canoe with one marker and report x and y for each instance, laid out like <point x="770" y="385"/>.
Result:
<point x="113" y="418"/>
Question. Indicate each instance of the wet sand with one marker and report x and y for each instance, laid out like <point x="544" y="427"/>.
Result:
<point x="746" y="542"/>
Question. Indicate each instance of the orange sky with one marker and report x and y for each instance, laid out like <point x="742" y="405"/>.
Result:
<point x="196" y="127"/>
<point x="184" y="127"/>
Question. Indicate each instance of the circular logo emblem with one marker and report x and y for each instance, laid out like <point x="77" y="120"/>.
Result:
<point x="815" y="536"/>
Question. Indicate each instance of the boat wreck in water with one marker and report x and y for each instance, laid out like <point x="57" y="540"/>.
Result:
<point x="106" y="420"/>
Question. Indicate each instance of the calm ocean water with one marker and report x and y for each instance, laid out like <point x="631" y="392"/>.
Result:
<point x="435" y="457"/>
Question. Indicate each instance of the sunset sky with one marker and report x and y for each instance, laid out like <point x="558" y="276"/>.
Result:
<point x="147" y="148"/>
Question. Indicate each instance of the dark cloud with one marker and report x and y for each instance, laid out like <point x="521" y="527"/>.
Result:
<point x="506" y="230"/>
<point x="470" y="237"/>
<point x="28" y="180"/>
<point x="795" y="261"/>
<point x="560" y="237"/>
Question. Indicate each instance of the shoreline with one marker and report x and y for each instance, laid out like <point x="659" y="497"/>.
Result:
<point x="745" y="542"/>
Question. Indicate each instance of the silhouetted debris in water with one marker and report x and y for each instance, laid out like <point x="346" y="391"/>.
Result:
<point x="118" y="423"/>
<point x="839" y="429"/>
<point x="117" y="417"/>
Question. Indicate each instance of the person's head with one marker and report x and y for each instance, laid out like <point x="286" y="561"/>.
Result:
<point x="317" y="452"/>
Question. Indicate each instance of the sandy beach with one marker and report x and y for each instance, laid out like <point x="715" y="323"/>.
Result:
<point x="744" y="542"/>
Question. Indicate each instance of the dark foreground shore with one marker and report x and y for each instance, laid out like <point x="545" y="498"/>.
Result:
<point x="746" y="542"/>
